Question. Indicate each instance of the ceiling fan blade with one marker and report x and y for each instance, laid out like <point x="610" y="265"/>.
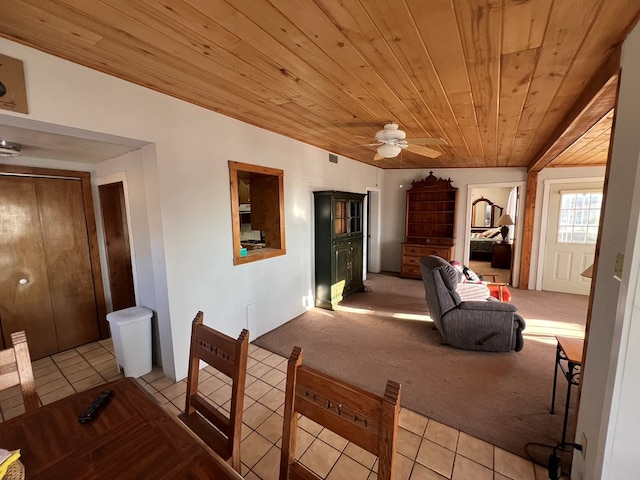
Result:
<point x="377" y="157"/>
<point x="426" y="141"/>
<point x="425" y="151"/>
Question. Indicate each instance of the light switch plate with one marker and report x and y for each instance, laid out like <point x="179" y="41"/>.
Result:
<point x="617" y="268"/>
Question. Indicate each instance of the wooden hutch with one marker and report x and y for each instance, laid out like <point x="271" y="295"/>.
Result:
<point x="430" y="224"/>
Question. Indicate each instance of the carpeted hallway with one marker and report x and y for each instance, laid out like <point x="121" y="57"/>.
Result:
<point x="385" y="333"/>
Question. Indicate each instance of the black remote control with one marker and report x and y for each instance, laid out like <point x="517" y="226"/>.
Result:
<point x="92" y="410"/>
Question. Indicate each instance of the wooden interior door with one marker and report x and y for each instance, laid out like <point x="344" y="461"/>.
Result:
<point x="25" y="301"/>
<point x="66" y="244"/>
<point x="116" y="235"/>
<point x="48" y="273"/>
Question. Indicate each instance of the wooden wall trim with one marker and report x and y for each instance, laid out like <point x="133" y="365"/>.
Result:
<point x="595" y="103"/>
<point x="92" y="234"/>
<point x="527" y="231"/>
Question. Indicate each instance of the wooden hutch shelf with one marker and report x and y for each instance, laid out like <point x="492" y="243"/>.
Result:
<point x="430" y="225"/>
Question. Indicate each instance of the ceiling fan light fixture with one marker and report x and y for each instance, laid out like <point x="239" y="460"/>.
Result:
<point x="9" y="149"/>
<point x="389" y="150"/>
<point x="390" y="132"/>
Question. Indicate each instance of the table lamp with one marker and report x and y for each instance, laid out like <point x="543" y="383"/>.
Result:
<point x="505" y="221"/>
<point x="588" y="273"/>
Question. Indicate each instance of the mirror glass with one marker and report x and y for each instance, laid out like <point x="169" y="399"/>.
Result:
<point x="485" y="213"/>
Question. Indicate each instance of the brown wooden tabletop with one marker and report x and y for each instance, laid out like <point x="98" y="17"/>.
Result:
<point x="572" y="348"/>
<point x="132" y="437"/>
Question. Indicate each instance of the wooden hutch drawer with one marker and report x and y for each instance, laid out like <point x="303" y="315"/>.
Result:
<point x="431" y="241"/>
<point x="411" y="271"/>
<point x="411" y="253"/>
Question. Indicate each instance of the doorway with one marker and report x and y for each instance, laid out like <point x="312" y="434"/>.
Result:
<point x="491" y="241"/>
<point x="50" y="278"/>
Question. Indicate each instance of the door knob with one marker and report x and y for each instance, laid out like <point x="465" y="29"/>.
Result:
<point x="23" y="281"/>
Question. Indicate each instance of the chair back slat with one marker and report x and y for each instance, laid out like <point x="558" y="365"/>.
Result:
<point x="300" y="472"/>
<point x="343" y="409"/>
<point x="361" y="417"/>
<point x="213" y="415"/>
<point x="216" y="349"/>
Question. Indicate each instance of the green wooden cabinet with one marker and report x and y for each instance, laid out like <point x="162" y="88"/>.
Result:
<point x="338" y="246"/>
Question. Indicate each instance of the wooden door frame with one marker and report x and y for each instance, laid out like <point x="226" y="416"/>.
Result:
<point x="92" y="233"/>
<point x="517" y="247"/>
<point x="371" y="232"/>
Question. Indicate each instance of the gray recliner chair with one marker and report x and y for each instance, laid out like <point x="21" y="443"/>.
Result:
<point x="473" y="325"/>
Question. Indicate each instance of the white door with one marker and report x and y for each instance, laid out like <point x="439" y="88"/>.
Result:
<point x="572" y="231"/>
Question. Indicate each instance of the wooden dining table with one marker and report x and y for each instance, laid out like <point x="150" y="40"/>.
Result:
<point x="132" y="437"/>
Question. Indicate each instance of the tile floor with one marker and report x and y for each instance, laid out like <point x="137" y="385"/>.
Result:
<point x="427" y="450"/>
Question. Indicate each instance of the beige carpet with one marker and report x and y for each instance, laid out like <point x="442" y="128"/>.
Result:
<point x="482" y="267"/>
<point x="385" y="333"/>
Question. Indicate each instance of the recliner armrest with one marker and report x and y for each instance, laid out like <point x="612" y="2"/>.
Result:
<point x="488" y="306"/>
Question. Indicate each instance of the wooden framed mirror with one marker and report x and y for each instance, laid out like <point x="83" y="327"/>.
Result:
<point x="484" y="213"/>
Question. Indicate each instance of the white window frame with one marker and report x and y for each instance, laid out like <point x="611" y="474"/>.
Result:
<point x="573" y="224"/>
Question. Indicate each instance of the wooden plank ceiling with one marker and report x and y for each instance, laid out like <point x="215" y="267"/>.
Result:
<point x="505" y="82"/>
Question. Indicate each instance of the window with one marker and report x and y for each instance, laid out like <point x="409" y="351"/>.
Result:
<point x="579" y="217"/>
<point x="257" y="212"/>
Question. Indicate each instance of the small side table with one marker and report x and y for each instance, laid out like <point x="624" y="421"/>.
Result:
<point x="568" y="350"/>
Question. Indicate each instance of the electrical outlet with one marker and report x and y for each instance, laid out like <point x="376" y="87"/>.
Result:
<point x="583" y="442"/>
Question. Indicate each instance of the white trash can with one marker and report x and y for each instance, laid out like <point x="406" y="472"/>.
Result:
<point x="131" y="334"/>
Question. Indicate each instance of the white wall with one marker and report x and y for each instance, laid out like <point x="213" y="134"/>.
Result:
<point x="609" y="415"/>
<point x="397" y="182"/>
<point x="187" y="262"/>
<point x="130" y="170"/>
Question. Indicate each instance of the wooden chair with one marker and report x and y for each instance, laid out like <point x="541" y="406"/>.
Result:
<point x="368" y="420"/>
<point x="228" y="356"/>
<point x="498" y="290"/>
<point x="15" y="369"/>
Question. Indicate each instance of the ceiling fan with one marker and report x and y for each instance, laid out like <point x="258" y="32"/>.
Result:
<point x="392" y="140"/>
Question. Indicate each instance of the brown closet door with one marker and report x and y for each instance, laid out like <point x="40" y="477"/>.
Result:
<point x="22" y="257"/>
<point x="44" y="242"/>
<point x="66" y="244"/>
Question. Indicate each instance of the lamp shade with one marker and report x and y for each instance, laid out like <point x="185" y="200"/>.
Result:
<point x="505" y="220"/>
<point x="588" y="272"/>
